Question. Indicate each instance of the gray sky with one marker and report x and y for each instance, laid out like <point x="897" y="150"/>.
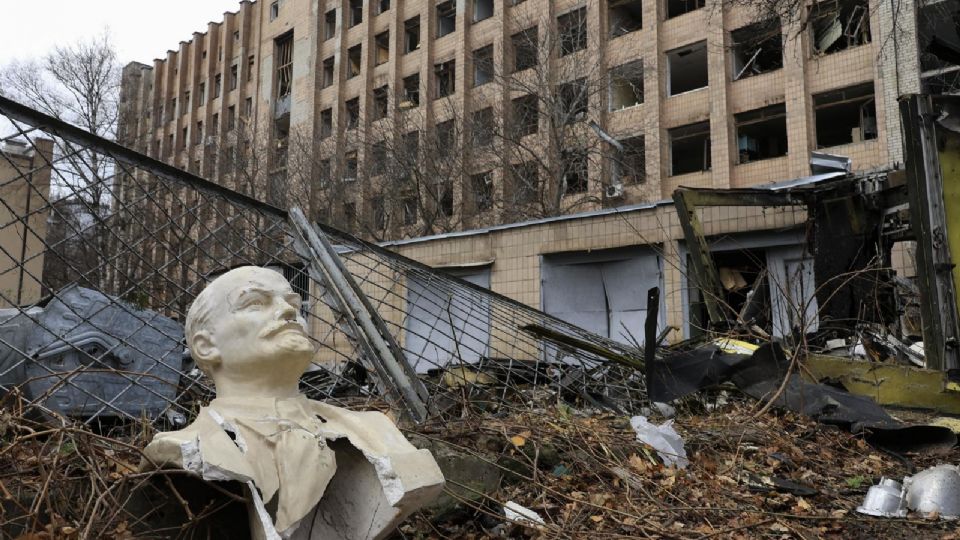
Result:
<point x="140" y="30"/>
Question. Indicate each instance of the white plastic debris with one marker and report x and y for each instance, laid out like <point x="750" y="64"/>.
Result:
<point x="663" y="438"/>
<point x="520" y="514"/>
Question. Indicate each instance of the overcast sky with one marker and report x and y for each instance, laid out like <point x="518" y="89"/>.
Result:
<point x="141" y="30"/>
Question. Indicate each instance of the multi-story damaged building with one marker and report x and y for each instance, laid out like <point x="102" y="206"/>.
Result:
<point x="540" y="131"/>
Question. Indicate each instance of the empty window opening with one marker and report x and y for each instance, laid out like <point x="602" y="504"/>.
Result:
<point x="939" y="46"/>
<point x="624" y="16"/>
<point x="411" y="146"/>
<point x="198" y="134"/>
<point x="572" y="101"/>
<point x="231" y="117"/>
<point x="483" y="65"/>
<point x="411" y="92"/>
<point x="350" y="209"/>
<point x="350" y="165"/>
<point x="445" y="74"/>
<point x="626" y="85"/>
<point x="284" y="56"/>
<point x="323" y="172"/>
<point x="845" y="116"/>
<point x="484" y="127"/>
<point x="761" y="133"/>
<point x="234" y="76"/>
<point x="248" y="107"/>
<point x="327" y="73"/>
<point x="382" y="42"/>
<point x="356" y="12"/>
<point x="352" y="107"/>
<point x="676" y="8"/>
<point x="274" y="9"/>
<point x="409" y="204"/>
<point x="330" y="24"/>
<point x="629" y="164"/>
<point x="574" y="163"/>
<point x="378" y="158"/>
<point x="201" y="93"/>
<point x="839" y="25"/>
<point x="217" y="85"/>
<point x="281" y="132"/>
<point x="757" y="48"/>
<point x="690" y="148"/>
<point x="445" y="198"/>
<point x="378" y="213"/>
<point x="236" y="35"/>
<point x="446" y="18"/>
<point x="326" y="123"/>
<point x="482" y="9"/>
<point x="250" y="61"/>
<point x="411" y="35"/>
<point x="525" y="182"/>
<point x="354" y="57"/>
<point x="381" y="102"/>
<point x="525" y="47"/>
<point x="446" y="137"/>
<point x="383" y="6"/>
<point x="688" y="68"/>
<point x="526" y="116"/>
<point x="572" y="29"/>
<point x="482" y="191"/>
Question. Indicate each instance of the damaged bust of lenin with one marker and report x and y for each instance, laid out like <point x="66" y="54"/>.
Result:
<point x="312" y="470"/>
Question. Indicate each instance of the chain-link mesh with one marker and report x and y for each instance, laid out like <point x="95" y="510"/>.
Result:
<point x="102" y="251"/>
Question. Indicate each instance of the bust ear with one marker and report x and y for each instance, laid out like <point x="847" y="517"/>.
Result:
<point x="203" y="350"/>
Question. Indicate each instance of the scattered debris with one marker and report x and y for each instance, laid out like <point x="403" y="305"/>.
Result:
<point x="884" y="500"/>
<point x="515" y="512"/>
<point x="935" y="491"/>
<point x="664" y="439"/>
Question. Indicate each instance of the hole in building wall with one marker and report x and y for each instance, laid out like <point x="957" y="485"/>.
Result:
<point x="676" y="8"/>
<point x="446" y="18"/>
<point x="687" y="68"/>
<point x="690" y="148"/>
<point x="624" y="16"/>
<point x="761" y="133"/>
<point x="482" y="9"/>
<point x="757" y="48"/>
<point x="626" y="85"/>
<point x="845" y="116"/>
<point x="839" y="24"/>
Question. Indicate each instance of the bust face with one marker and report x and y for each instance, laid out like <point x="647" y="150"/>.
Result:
<point x="255" y="322"/>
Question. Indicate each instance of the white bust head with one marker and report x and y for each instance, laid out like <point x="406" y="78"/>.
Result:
<point x="245" y="331"/>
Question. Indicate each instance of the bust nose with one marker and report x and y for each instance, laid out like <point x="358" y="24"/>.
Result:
<point x="286" y="312"/>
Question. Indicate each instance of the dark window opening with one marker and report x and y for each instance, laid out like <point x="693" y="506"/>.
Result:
<point x="624" y="16"/>
<point x="383" y="6"/>
<point x="356" y="12"/>
<point x="274" y="9"/>
<point x="572" y="29"/>
<point x="574" y="163"/>
<point x="688" y="68"/>
<point x="839" y="25"/>
<point x="525" y="182"/>
<point x="234" y="77"/>
<point x="409" y="210"/>
<point x="483" y="65"/>
<point x="323" y="172"/>
<point x="350" y="166"/>
<point x="330" y="24"/>
<point x="281" y="133"/>
<point x="201" y="93"/>
<point x="352" y="107"/>
<point x="217" y="85"/>
<point x="525" y="47"/>
<point x="378" y="213"/>
<point x="284" y="56"/>
<point x="231" y="117"/>
<point x="378" y="158"/>
<point x="630" y="162"/>
<point x="761" y="133"/>
<point x="445" y="198"/>
<point x="526" y="116"/>
<point x="572" y="101"/>
<point x="939" y="38"/>
<point x="411" y="35"/>
<point x="411" y="91"/>
<point x="845" y="116"/>
<point x="446" y="18"/>
<point x="411" y="146"/>
<point x="482" y="9"/>
<point x="381" y="102"/>
<point x="326" y="123"/>
<point x="198" y="134"/>
<point x="482" y="191"/>
<point x="484" y="128"/>
<point x="757" y="48"/>
<point x="250" y="62"/>
<point x="248" y="107"/>
<point x="676" y="8"/>
<point x="382" y="43"/>
<point x="690" y="148"/>
<point x="354" y="57"/>
<point x="626" y="85"/>
<point x="327" y="73"/>
<point x="350" y="213"/>
<point x="445" y="74"/>
<point x="446" y="137"/>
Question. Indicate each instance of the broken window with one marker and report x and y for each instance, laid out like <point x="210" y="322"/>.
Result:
<point x="382" y="43"/>
<point x="839" y="25"/>
<point x="217" y="84"/>
<point x="411" y="146"/>
<point x="198" y="134"/>
<point x="231" y="117"/>
<point x="274" y="9"/>
<point x="624" y="16"/>
<point x="690" y="148"/>
<point x="248" y="107"/>
<point x="378" y="213"/>
<point x="330" y="24"/>
<point x="572" y="101"/>
<point x="327" y="73"/>
<point x="845" y="116"/>
<point x="378" y="158"/>
<point x="446" y="137"/>
<point x="574" y="164"/>
<point x="186" y="102"/>
<point x="676" y="8"/>
<point x="482" y="9"/>
<point x="484" y="127"/>
<point x="356" y="12"/>
<point x="284" y="56"/>
<point x="524" y="182"/>
<point x="629" y="164"/>
<point x="688" y="68"/>
<point x="236" y="35"/>
<point x="481" y="191"/>
<point x="352" y="107"/>
<point x="350" y="166"/>
<point x="761" y="133"/>
<point x="445" y="198"/>
<point x="526" y="116"/>
<point x="354" y="57"/>
<point x="383" y="6"/>
<point x="411" y="35"/>
<point x="349" y="213"/>
<point x="201" y="93"/>
<point x="326" y="123"/>
<point x="572" y="29"/>
<point x="446" y="18"/>
<point x="381" y="102"/>
<point x="409" y="204"/>
<point x="525" y="47"/>
<point x="411" y="92"/>
<point x="938" y="41"/>
<point x="483" y="65"/>
<point x="757" y="48"/>
<point x="323" y="172"/>
<point x="626" y="85"/>
<point x="234" y="77"/>
<point x="445" y="74"/>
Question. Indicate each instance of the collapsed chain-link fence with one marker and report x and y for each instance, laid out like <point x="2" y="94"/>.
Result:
<point x="103" y="249"/>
